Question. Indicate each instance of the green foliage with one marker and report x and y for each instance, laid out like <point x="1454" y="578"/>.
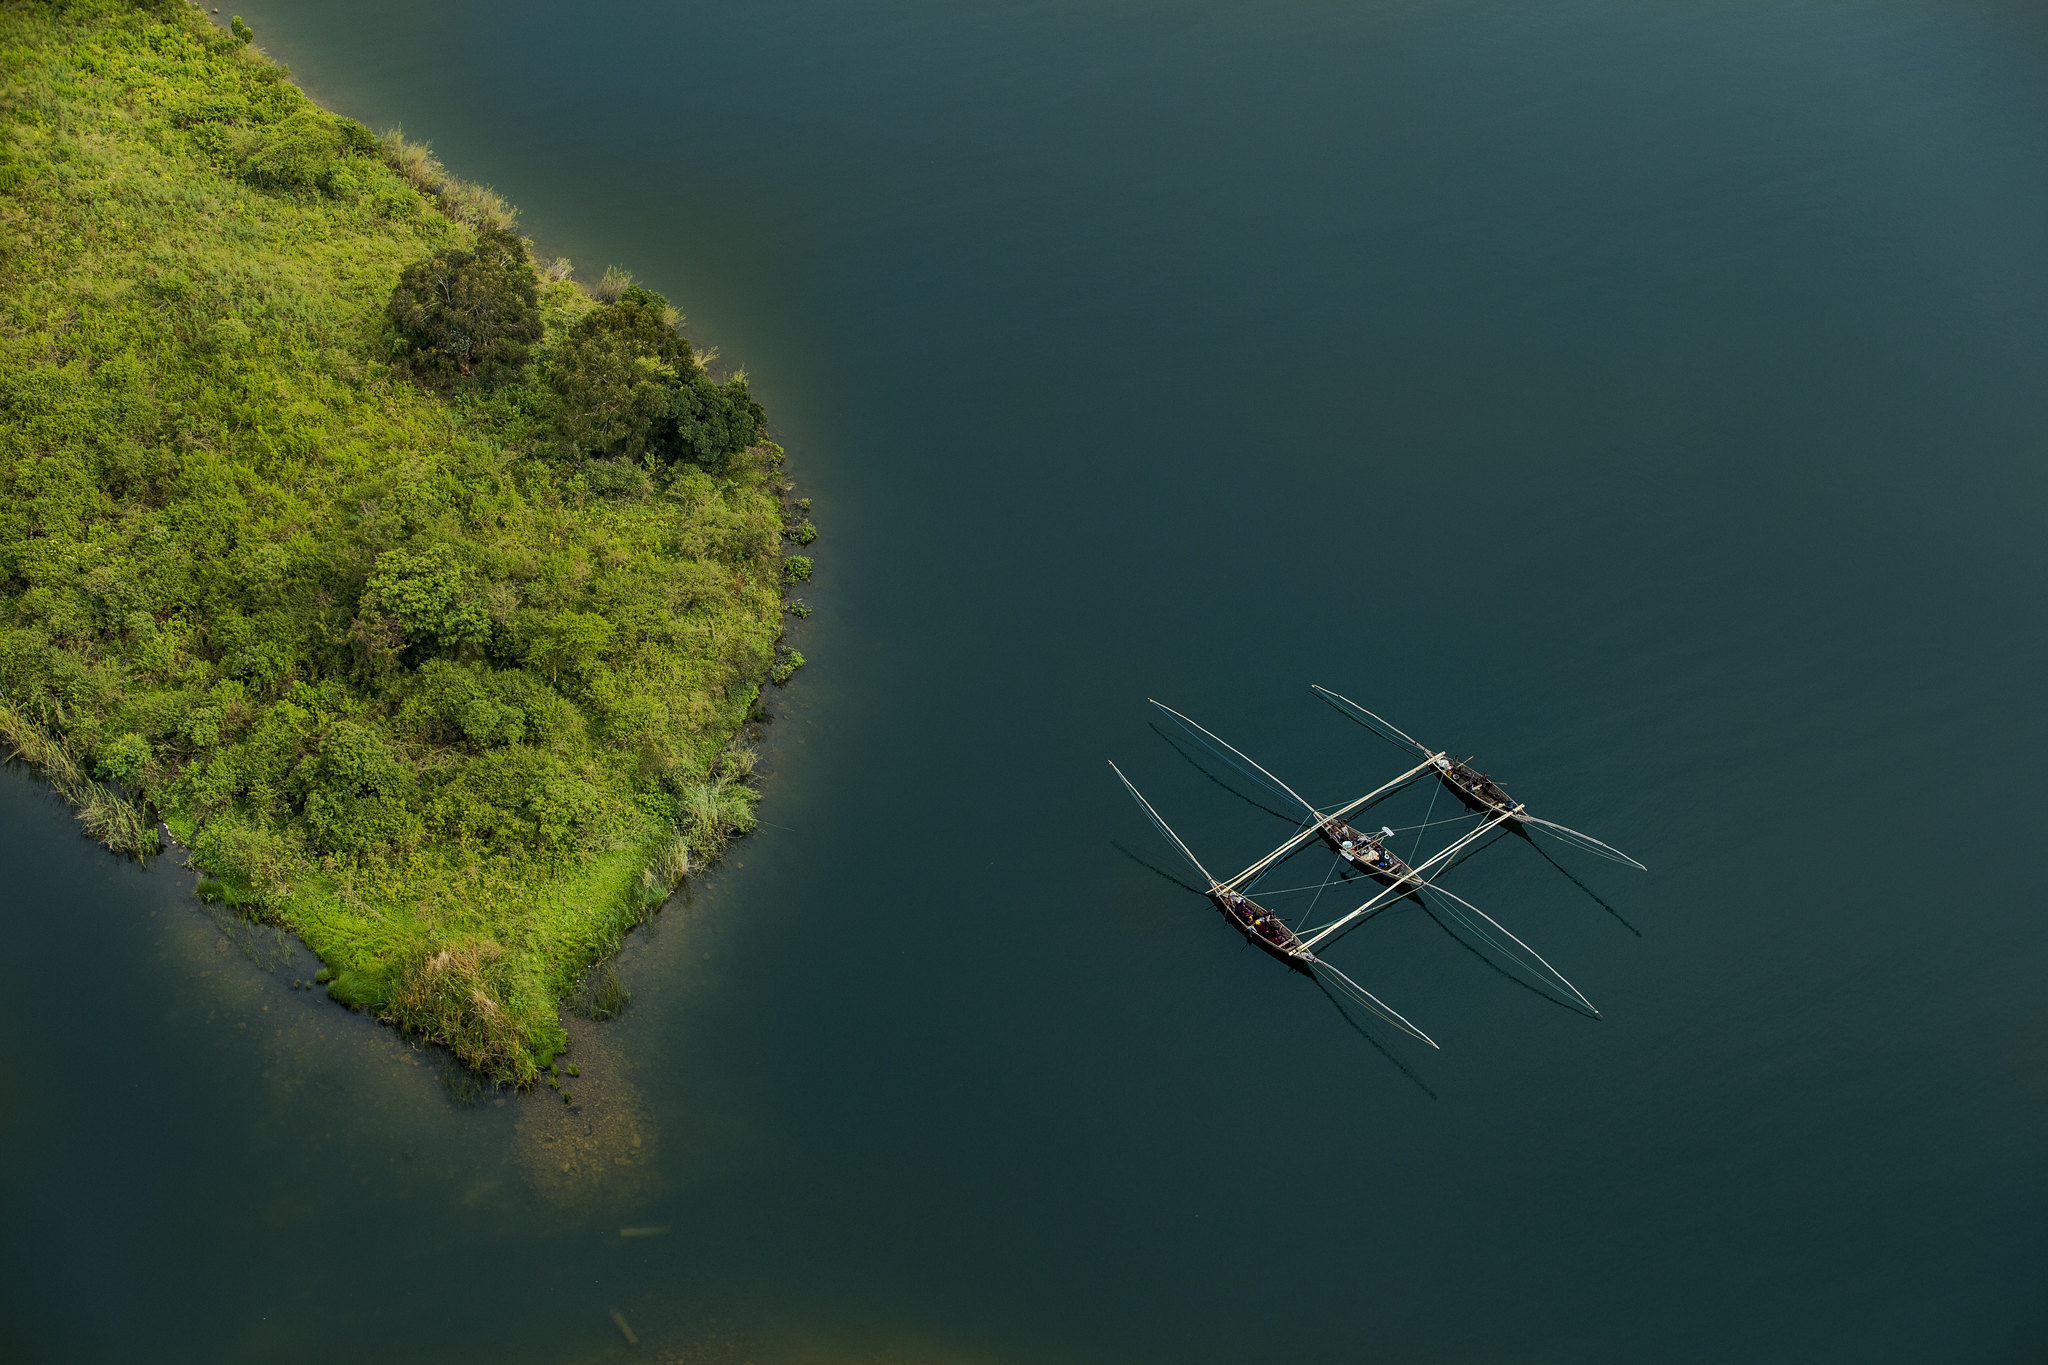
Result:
<point x="629" y="385"/>
<point x="785" y="668"/>
<point x="124" y="758"/>
<point x="571" y="646"/>
<point x="429" y="595"/>
<point x="243" y="33"/>
<point x="715" y="812"/>
<point x="797" y="568"/>
<point x="306" y="152"/>
<point x="467" y="314"/>
<point x="803" y="533"/>
<point x="465" y="994"/>
<point x="351" y="792"/>
<point x="455" y="714"/>
<point x="616" y="479"/>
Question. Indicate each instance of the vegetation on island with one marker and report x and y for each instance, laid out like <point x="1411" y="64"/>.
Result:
<point x="421" y="591"/>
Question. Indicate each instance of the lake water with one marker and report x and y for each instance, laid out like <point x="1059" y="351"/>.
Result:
<point x="1648" y="399"/>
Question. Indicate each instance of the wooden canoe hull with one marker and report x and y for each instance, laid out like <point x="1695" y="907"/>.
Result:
<point x="1244" y="925"/>
<point x="1463" y="784"/>
<point x="1397" y="870"/>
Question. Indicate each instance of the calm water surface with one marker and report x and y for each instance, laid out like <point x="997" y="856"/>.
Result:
<point x="1647" y="398"/>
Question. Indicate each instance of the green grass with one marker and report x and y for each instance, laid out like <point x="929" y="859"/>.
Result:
<point x="218" y="499"/>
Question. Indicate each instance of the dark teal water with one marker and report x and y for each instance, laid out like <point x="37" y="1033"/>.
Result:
<point x="1647" y="398"/>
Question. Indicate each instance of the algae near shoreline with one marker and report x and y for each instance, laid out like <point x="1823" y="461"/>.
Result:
<point x="430" y="620"/>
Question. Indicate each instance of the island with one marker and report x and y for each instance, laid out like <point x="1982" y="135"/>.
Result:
<point x="421" y="591"/>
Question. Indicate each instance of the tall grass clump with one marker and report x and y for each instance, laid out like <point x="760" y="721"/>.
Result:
<point x="414" y="161"/>
<point x="599" y="994"/>
<point x="715" y="813"/>
<point x="477" y="205"/>
<point x="422" y="592"/>
<point x="460" y="995"/>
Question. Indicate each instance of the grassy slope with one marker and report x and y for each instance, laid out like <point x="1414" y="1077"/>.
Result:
<point x="202" y="455"/>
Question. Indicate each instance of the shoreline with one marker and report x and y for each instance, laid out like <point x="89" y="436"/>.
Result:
<point x="463" y="799"/>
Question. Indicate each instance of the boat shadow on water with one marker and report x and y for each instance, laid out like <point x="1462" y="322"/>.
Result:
<point x="1176" y="744"/>
<point x="1544" y="854"/>
<point x="1377" y="1046"/>
<point x="1155" y="869"/>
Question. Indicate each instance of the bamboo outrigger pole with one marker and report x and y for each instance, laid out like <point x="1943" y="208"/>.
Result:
<point x="1564" y="833"/>
<point x="1322" y="820"/>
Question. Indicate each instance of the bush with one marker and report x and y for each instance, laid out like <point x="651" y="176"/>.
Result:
<point x="415" y="162"/>
<point x="461" y="995"/>
<point x="123" y="760"/>
<point x="243" y="33"/>
<point x="467" y="314"/>
<point x="785" y="668"/>
<point x="797" y="568"/>
<point x="352" y="792"/>
<point x="455" y="704"/>
<point x="572" y="644"/>
<point x="429" y="596"/>
<point x="716" y="812"/>
<point x="616" y="479"/>
<point x="304" y="153"/>
<point x="524" y="799"/>
<point x="630" y="385"/>
<point x="803" y="533"/>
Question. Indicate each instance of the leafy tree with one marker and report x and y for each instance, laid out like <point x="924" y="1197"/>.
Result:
<point x="572" y="642"/>
<point x="451" y="702"/>
<point x="629" y="384"/>
<point x="123" y="759"/>
<point x="467" y="314"/>
<point x="428" y="595"/>
<point x="352" y="790"/>
<point x="305" y="151"/>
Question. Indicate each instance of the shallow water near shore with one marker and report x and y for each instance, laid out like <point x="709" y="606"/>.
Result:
<point x="1650" y="403"/>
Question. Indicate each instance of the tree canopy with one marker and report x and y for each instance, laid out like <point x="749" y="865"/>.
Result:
<point x="467" y="314"/>
<point x="629" y="385"/>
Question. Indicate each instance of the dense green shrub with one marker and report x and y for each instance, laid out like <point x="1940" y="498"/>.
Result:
<point x="467" y="314"/>
<point x="454" y="704"/>
<point x="429" y="595"/>
<point x="629" y="385"/>
<point x="305" y="152"/>
<point x="124" y="758"/>
<point x="352" y="792"/>
<point x="616" y="479"/>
